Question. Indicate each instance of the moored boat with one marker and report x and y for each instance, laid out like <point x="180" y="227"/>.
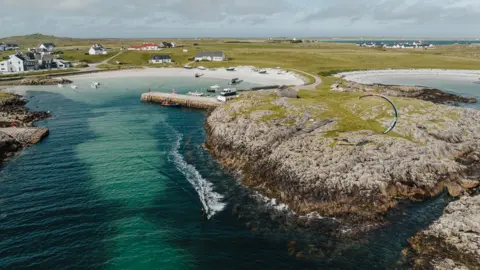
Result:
<point x="73" y="86"/>
<point x="263" y="71"/>
<point x="230" y="69"/>
<point x="235" y="81"/>
<point x="187" y="67"/>
<point x="198" y="75"/>
<point x="60" y="85"/>
<point x="201" y="67"/>
<point x="228" y="92"/>
<point x="169" y="104"/>
<point x="213" y="88"/>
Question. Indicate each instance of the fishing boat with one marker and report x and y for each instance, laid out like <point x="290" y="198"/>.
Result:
<point x="187" y="67"/>
<point x="197" y="94"/>
<point x="235" y="81"/>
<point x="228" y="92"/>
<point x="213" y="88"/>
<point x="198" y="75"/>
<point x="230" y="69"/>
<point x="263" y="71"/>
<point x="201" y="68"/>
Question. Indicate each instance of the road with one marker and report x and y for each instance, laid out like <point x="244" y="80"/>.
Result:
<point x="92" y="67"/>
<point x="312" y="86"/>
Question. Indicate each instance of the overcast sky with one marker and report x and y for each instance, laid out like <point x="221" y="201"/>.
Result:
<point x="241" y="18"/>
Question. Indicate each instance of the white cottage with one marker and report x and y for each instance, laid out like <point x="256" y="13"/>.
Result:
<point x="49" y="47"/>
<point x="15" y="63"/>
<point x="97" y="49"/>
<point x="210" y="56"/>
<point x="163" y="58"/>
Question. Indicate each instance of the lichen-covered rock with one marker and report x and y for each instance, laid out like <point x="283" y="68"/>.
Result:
<point x="285" y="91"/>
<point x="453" y="241"/>
<point x="289" y="154"/>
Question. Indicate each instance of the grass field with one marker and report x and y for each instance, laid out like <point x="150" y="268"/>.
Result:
<point x="81" y="55"/>
<point x="179" y="57"/>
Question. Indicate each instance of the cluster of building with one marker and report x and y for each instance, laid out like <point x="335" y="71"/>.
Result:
<point x="201" y="56"/>
<point x="413" y="45"/>
<point x="33" y="59"/>
<point x="152" y="46"/>
<point x="8" y="47"/>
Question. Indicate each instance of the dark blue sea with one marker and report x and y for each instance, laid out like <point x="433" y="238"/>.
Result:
<point x="119" y="184"/>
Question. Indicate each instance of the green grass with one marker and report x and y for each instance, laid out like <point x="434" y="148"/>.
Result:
<point x="74" y="55"/>
<point x="140" y="58"/>
<point x="4" y="95"/>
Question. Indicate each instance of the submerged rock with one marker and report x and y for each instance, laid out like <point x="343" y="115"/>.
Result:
<point x="453" y="241"/>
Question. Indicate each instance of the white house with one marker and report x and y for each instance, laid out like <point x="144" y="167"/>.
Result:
<point x="13" y="64"/>
<point x="49" y="47"/>
<point x="62" y="63"/>
<point x="163" y="58"/>
<point x="210" y="56"/>
<point x="145" y="47"/>
<point x="185" y="50"/>
<point x="97" y="49"/>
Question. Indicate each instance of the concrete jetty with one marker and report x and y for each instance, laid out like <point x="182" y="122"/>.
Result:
<point x="183" y="100"/>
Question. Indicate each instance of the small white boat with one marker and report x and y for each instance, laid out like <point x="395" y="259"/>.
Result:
<point x="213" y="88"/>
<point x="201" y="68"/>
<point x="197" y="94"/>
<point x="230" y="69"/>
<point x="187" y="67"/>
<point x="263" y="71"/>
<point x="60" y="85"/>
<point x="94" y="85"/>
<point x="73" y="86"/>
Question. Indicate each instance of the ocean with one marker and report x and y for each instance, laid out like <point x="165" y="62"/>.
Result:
<point x="120" y="184"/>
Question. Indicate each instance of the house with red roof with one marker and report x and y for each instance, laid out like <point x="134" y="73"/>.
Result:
<point x="145" y="47"/>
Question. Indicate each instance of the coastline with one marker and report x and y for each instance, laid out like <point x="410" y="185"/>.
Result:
<point x="244" y="73"/>
<point x="13" y="139"/>
<point x="369" y="76"/>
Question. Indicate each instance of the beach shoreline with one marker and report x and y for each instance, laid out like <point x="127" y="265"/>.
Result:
<point x="372" y="76"/>
<point x="243" y="73"/>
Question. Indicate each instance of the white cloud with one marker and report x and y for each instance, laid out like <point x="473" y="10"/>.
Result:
<point x="241" y="17"/>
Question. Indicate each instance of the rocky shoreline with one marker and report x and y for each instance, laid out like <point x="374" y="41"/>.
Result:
<point x="16" y="126"/>
<point x="43" y="80"/>
<point x="451" y="242"/>
<point x="352" y="176"/>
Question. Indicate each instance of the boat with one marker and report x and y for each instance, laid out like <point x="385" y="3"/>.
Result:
<point x="198" y="75"/>
<point x="187" y="67"/>
<point x="169" y="104"/>
<point x="228" y="92"/>
<point x="213" y="88"/>
<point x="235" y="81"/>
<point x="73" y="86"/>
<point x="201" y="68"/>
<point x="230" y="69"/>
<point x="197" y="94"/>
<point x="263" y="71"/>
<point x="60" y="85"/>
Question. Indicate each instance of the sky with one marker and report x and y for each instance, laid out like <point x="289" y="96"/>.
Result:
<point x="241" y="18"/>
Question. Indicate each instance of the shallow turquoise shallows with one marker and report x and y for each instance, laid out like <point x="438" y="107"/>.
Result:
<point x="120" y="184"/>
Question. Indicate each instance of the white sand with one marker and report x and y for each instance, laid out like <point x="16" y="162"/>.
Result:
<point x="243" y="73"/>
<point x="370" y="76"/>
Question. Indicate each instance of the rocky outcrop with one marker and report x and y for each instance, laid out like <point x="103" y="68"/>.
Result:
<point x="16" y="126"/>
<point x="290" y="152"/>
<point x="418" y="92"/>
<point x="43" y="81"/>
<point x="285" y="91"/>
<point x="451" y="242"/>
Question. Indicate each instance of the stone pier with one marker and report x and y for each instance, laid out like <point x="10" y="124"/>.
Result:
<point x="184" y="100"/>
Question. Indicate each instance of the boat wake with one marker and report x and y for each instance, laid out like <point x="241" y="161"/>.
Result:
<point x="210" y="200"/>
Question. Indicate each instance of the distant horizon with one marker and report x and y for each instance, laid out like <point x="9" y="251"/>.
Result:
<point x="267" y="37"/>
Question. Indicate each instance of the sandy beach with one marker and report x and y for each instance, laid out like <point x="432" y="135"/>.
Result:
<point x="243" y="73"/>
<point x="370" y="76"/>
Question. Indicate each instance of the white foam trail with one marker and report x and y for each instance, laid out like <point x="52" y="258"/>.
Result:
<point x="211" y="200"/>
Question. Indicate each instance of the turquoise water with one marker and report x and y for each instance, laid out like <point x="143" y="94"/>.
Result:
<point x="119" y="184"/>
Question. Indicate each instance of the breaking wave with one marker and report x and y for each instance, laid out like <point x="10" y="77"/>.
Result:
<point x="211" y="201"/>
